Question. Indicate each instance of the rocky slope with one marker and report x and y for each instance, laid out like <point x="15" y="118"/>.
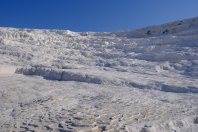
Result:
<point x="137" y="80"/>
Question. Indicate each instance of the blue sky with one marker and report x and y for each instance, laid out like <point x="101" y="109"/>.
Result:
<point x="93" y="15"/>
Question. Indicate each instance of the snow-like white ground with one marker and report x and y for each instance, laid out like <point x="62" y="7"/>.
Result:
<point x="143" y="80"/>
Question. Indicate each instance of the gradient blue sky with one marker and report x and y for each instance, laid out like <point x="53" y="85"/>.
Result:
<point x="93" y="15"/>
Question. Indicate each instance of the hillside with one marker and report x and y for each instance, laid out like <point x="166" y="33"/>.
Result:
<point x="136" y="80"/>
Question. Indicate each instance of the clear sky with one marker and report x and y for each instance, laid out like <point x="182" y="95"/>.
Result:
<point x="93" y="15"/>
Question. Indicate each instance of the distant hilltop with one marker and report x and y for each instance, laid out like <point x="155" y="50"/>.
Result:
<point x="179" y="27"/>
<point x="176" y="27"/>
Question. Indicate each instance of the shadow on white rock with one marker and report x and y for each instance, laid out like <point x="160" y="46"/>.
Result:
<point x="61" y="75"/>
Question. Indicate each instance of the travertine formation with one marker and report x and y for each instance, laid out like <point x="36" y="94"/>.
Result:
<point x="143" y="80"/>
